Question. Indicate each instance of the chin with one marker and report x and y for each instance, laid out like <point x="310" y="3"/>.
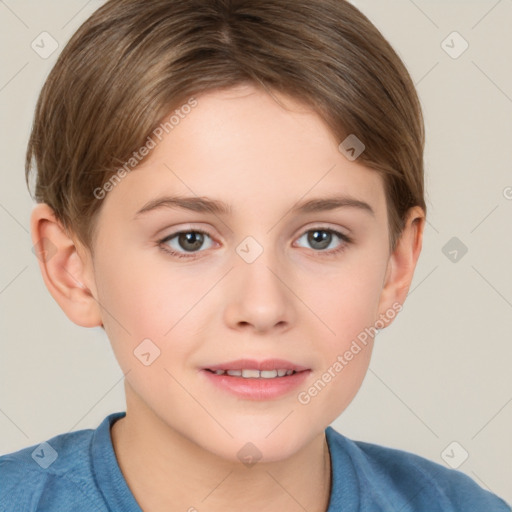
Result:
<point x="265" y="441"/>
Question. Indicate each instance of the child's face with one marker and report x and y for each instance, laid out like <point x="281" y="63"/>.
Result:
<point x="297" y="301"/>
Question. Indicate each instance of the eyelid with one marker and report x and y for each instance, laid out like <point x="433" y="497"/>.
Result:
<point x="327" y="227"/>
<point x="187" y="229"/>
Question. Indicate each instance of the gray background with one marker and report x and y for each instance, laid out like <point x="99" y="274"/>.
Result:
<point x="440" y="373"/>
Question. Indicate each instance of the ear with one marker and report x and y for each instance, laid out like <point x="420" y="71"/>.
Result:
<point x="402" y="262"/>
<point x="67" y="275"/>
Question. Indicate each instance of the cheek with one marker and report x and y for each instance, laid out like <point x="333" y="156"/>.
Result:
<point x="144" y="296"/>
<point x="132" y="295"/>
<point x="348" y="307"/>
<point x="146" y="300"/>
<point x="347" y="301"/>
<point x="336" y="387"/>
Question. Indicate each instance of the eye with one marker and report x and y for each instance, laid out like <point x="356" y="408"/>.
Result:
<point x="187" y="244"/>
<point x="188" y="241"/>
<point x="321" y="239"/>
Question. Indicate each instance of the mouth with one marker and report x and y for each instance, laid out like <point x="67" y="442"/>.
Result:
<point x="254" y="374"/>
<point x="253" y="369"/>
<point x="257" y="380"/>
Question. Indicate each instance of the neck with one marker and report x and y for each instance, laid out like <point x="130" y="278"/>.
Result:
<point x="167" y="471"/>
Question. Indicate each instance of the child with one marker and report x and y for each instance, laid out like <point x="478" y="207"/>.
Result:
<point x="247" y="129"/>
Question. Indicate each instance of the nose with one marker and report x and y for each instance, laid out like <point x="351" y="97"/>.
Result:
<point x="259" y="297"/>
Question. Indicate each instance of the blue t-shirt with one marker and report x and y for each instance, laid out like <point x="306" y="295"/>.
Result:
<point x="79" y="471"/>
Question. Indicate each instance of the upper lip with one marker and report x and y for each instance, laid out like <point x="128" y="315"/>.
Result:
<point x="253" y="364"/>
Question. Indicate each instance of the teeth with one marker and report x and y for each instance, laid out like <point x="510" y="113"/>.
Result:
<point x="255" y="374"/>
<point x="251" y="374"/>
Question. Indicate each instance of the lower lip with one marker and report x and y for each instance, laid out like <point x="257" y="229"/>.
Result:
<point x="257" y="389"/>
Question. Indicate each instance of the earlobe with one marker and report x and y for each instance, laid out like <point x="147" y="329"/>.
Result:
<point x="67" y="277"/>
<point x="402" y="262"/>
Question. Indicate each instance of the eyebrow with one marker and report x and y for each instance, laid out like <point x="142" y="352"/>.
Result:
<point x="216" y="207"/>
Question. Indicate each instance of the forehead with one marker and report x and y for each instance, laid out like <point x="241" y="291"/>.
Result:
<point x="249" y="150"/>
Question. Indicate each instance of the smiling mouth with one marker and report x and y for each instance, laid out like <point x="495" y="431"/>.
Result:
<point x="252" y="379"/>
<point x="254" y="374"/>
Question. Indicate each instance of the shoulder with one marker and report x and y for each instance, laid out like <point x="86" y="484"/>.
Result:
<point x="55" y="475"/>
<point x="390" y="477"/>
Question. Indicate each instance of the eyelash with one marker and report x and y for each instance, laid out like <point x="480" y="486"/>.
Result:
<point x="333" y="252"/>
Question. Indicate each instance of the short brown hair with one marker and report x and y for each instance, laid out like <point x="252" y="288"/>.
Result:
<point x="133" y="61"/>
